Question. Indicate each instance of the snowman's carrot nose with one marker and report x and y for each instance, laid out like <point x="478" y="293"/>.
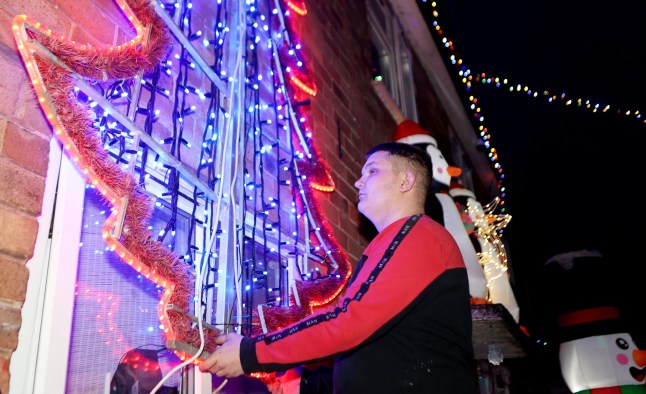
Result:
<point x="640" y="357"/>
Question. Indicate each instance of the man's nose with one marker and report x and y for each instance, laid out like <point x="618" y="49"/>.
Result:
<point x="358" y="183"/>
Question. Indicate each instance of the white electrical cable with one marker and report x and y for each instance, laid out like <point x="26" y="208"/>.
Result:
<point x="196" y="355"/>
<point x="239" y="77"/>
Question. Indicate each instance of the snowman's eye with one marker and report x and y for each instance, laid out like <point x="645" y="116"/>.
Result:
<point x="622" y="343"/>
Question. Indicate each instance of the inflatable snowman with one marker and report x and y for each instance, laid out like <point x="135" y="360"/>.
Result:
<point x="596" y="353"/>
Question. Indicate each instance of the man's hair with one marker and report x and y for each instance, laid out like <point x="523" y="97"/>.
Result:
<point x="409" y="158"/>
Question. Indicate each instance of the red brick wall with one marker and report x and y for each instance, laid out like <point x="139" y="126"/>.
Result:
<point x="349" y="118"/>
<point x="346" y="116"/>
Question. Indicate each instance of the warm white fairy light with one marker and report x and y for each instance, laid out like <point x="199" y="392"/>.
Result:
<point x="488" y="227"/>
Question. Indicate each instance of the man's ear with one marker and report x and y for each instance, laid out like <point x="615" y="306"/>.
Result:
<point x="408" y="182"/>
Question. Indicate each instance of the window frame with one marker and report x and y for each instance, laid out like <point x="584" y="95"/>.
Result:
<point x="387" y="37"/>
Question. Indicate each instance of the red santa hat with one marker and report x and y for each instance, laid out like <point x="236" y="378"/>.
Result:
<point x="411" y="133"/>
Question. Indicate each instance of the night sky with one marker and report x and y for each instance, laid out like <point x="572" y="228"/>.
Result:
<point x="573" y="177"/>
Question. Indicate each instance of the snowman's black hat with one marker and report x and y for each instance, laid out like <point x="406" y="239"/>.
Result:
<point x="590" y="322"/>
<point x="583" y="299"/>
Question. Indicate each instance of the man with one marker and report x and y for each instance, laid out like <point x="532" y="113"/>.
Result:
<point x="404" y="323"/>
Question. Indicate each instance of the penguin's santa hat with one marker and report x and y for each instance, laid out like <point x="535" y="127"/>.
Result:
<point x="411" y="133"/>
<point x="583" y="303"/>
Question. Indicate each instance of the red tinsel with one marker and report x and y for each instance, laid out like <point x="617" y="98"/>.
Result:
<point x="115" y="63"/>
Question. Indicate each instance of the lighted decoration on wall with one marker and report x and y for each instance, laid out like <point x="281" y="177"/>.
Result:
<point x="54" y="66"/>
<point x="57" y="66"/>
<point x="597" y="353"/>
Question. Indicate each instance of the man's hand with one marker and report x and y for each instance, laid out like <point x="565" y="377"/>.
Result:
<point x="225" y="360"/>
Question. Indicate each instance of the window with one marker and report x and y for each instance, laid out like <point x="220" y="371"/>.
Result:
<point x="391" y="58"/>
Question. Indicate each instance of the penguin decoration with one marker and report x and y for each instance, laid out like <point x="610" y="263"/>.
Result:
<point x="597" y="354"/>
<point x="440" y="205"/>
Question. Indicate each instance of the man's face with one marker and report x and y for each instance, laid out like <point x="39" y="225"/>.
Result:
<point x="378" y="186"/>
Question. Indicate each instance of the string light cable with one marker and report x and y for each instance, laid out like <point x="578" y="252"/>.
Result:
<point x="470" y="79"/>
